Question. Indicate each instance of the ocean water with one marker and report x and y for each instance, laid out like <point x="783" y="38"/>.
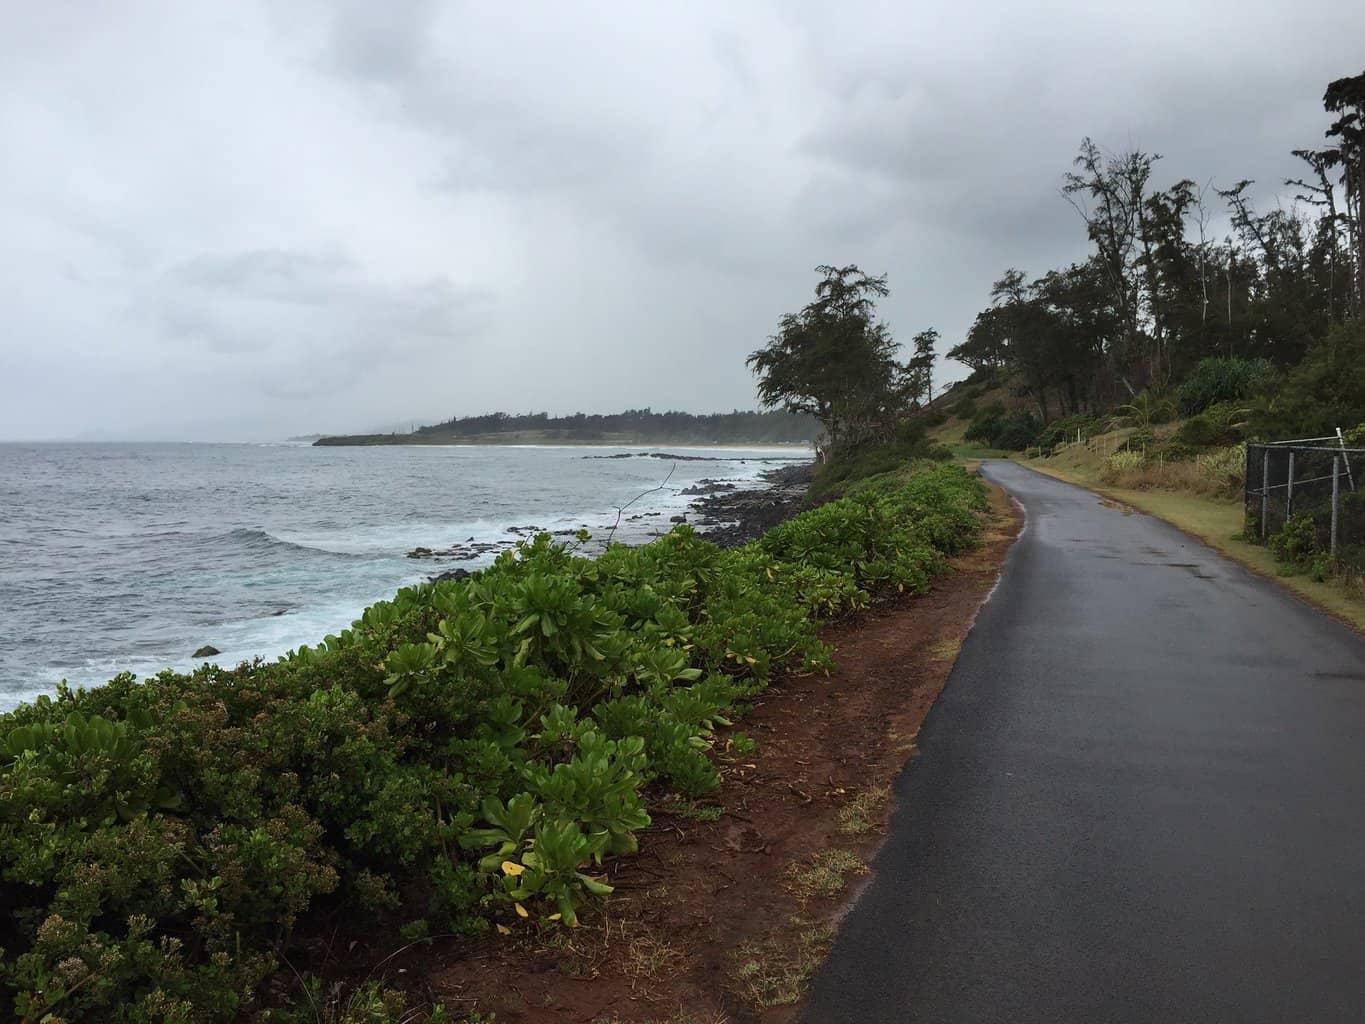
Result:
<point x="129" y="557"/>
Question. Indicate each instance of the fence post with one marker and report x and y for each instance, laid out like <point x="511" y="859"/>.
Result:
<point x="1289" y="490"/>
<point x="1336" y="493"/>
<point x="1265" y="490"/>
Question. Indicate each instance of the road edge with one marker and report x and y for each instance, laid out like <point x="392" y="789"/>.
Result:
<point x="1291" y="585"/>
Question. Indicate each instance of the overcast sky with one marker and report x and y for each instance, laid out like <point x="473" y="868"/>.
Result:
<point x="237" y="220"/>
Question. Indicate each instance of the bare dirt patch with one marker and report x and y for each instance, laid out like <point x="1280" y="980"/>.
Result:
<point x="731" y="904"/>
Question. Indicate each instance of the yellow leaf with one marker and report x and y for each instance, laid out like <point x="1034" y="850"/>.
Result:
<point x="511" y="867"/>
<point x="504" y="930"/>
<point x="554" y="917"/>
<point x="749" y="659"/>
<point x="521" y="911"/>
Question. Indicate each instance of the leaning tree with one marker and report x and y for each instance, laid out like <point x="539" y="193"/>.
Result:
<point x="834" y="360"/>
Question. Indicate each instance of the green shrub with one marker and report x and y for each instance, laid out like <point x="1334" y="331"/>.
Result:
<point x="1173" y="450"/>
<point x="469" y="752"/>
<point x="1147" y="409"/>
<point x="1231" y="417"/>
<point x="983" y="428"/>
<point x="1017" y="432"/>
<point x="1064" y="430"/>
<point x="1139" y="441"/>
<point x="1200" y="432"/>
<point x="1222" y="379"/>
<point x="964" y="408"/>
<point x="1325" y="391"/>
<point x="909" y="445"/>
<point x="1296" y="543"/>
<point x="1226" y="467"/>
<point x="1121" y="462"/>
<point x="998" y="429"/>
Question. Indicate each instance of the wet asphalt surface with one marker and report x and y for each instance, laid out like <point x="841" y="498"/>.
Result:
<point x="1141" y="797"/>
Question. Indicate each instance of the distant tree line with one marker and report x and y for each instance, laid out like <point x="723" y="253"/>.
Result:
<point x="644" y="425"/>
<point x="1159" y="293"/>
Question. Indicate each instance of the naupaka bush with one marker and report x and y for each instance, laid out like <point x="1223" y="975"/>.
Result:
<point x="468" y="754"/>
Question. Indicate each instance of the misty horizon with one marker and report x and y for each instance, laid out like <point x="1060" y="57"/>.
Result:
<point x="255" y="223"/>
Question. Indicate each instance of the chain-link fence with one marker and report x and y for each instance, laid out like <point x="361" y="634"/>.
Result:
<point x="1307" y="499"/>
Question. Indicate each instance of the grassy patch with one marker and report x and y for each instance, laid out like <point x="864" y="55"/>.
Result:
<point x="825" y="874"/>
<point x="647" y="957"/>
<point x="774" y="970"/>
<point x="946" y="650"/>
<point x="965" y="450"/>
<point x="692" y="810"/>
<point x="864" y="812"/>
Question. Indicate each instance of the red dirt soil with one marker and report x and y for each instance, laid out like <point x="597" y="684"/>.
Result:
<point x="703" y="899"/>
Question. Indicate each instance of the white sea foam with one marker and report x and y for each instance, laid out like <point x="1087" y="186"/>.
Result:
<point x="153" y="551"/>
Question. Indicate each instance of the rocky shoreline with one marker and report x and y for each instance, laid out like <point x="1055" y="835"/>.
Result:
<point x="729" y="517"/>
<point x="723" y="513"/>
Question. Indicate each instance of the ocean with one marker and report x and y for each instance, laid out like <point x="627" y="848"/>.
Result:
<point x="130" y="557"/>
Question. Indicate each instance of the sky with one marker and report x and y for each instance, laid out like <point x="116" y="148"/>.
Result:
<point x="244" y="221"/>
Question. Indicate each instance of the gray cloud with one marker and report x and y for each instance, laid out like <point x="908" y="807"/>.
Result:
<point x="313" y="320"/>
<point x="250" y="221"/>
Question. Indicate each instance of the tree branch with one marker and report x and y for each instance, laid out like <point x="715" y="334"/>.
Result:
<point x="621" y="508"/>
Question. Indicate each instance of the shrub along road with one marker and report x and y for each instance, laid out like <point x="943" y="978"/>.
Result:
<point x="1139" y="798"/>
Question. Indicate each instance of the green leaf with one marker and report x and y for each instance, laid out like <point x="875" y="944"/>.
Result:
<point x="593" y="886"/>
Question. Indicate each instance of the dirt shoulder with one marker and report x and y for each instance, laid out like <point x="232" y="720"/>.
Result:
<point x="732" y="902"/>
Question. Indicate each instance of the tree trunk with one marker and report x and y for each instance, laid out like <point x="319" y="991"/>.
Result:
<point x="1355" y="186"/>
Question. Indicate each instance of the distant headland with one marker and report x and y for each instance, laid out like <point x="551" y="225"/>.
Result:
<point x="634" y="426"/>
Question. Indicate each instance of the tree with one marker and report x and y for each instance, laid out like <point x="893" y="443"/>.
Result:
<point x="1346" y="97"/>
<point x="1172" y="270"/>
<point x="835" y="360"/>
<point x="1327" y="243"/>
<point x="1082" y="324"/>
<point x="1109" y="195"/>
<point x="920" y="369"/>
<point x="986" y="347"/>
<point x="1029" y="333"/>
<point x="1325" y="391"/>
<point x="1157" y="294"/>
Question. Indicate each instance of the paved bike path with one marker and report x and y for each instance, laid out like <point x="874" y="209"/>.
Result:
<point x="1141" y="797"/>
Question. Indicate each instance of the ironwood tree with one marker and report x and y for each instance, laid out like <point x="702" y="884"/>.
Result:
<point x="1345" y="97"/>
<point x="1158" y="294"/>
<point x="920" y="368"/>
<point x="836" y="361"/>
